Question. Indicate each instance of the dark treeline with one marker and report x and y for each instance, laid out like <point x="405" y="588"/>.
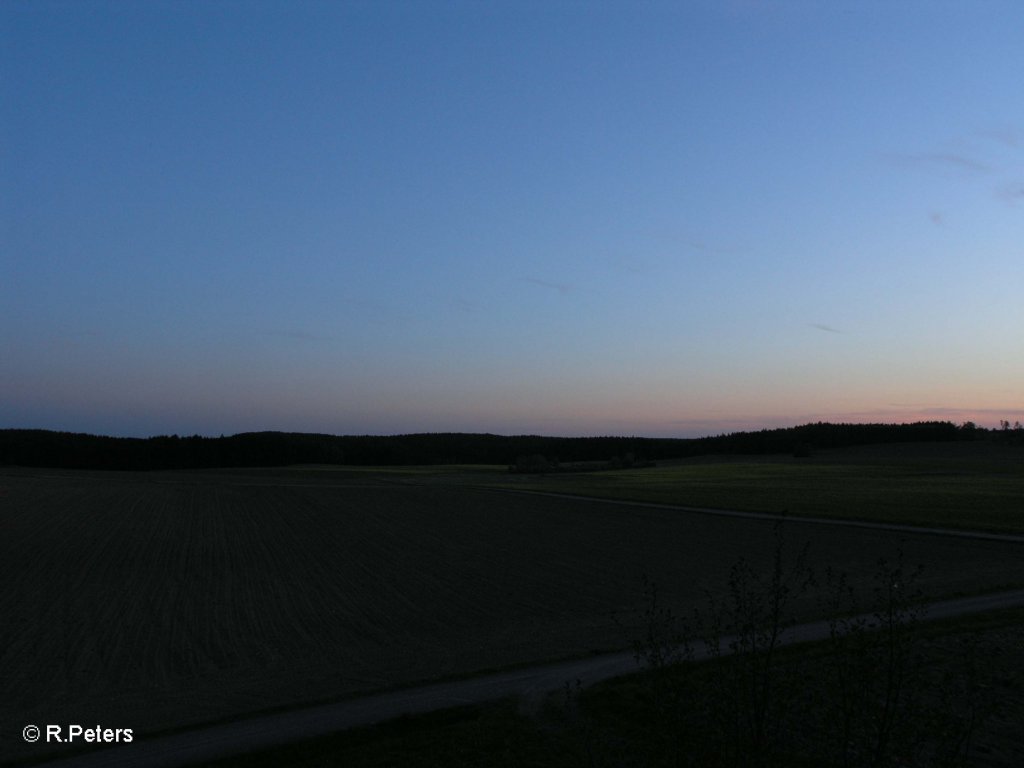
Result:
<point x="42" y="448"/>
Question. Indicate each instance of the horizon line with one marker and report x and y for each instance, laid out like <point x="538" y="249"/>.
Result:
<point x="209" y="436"/>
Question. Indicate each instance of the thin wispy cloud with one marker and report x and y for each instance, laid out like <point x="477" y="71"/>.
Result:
<point x="297" y="334"/>
<point x="464" y="305"/>
<point x="823" y="327"/>
<point x="940" y="161"/>
<point x="379" y="313"/>
<point x="963" y="166"/>
<point x="1007" y="412"/>
<point x="562" y="288"/>
<point x="700" y="245"/>
<point x="1009" y="135"/>
<point x="1012" y="192"/>
<point x="632" y="265"/>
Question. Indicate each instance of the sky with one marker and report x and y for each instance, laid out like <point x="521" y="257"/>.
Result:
<point x="557" y="218"/>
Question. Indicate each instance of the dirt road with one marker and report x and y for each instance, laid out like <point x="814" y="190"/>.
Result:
<point x="834" y="521"/>
<point x="265" y="731"/>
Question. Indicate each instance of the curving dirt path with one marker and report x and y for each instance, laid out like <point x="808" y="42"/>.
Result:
<point x="955" y="532"/>
<point x="204" y="744"/>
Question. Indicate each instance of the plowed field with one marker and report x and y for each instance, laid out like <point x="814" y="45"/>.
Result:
<point x="153" y="601"/>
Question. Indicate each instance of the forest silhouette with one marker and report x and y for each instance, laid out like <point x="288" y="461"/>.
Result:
<point x="44" y="448"/>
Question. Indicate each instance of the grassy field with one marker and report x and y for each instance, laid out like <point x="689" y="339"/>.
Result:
<point x="960" y="485"/>
<point x="156" y="600"/>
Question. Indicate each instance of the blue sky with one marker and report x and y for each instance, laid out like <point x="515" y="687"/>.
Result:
<point x="558" y="218"/>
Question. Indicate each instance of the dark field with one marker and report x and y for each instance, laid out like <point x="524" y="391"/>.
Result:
<point x="619" y="723"/>
<point x="156" y="600"/>
<point x="975" y="486"/>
